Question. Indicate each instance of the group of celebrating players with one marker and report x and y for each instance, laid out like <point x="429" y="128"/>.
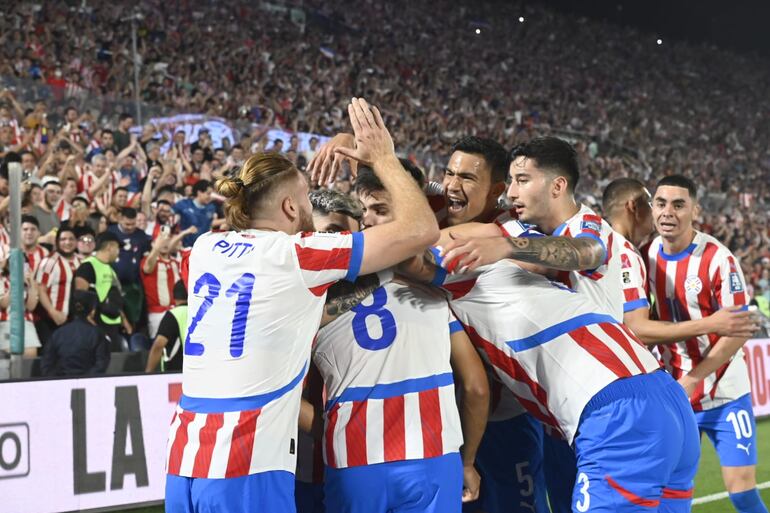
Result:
<point x="453" y="355"/>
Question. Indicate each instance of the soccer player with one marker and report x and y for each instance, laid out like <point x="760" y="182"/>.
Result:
<point x="582" y="248"/>
<point x="262" y="287"/>
<point x="692" y="275"/>
<point x="627" y="204"/>
<point x="585" y="375"/>
<point x="388" y="368"/>
<point x="334" y="212"/>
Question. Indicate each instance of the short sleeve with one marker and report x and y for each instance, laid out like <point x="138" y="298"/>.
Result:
<point x="510" y="226"/>
<point x="454" y="324"/>
<point x="728" y="282"/>
<point x="169" y="327"/>
<point x="587" y="225"/>
<point x="325" y="258"/>
<point x="86" y="271"/>
<point x="634" y="281"/>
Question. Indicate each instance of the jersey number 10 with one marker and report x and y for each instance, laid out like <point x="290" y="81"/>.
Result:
<point x="241" y="288"/>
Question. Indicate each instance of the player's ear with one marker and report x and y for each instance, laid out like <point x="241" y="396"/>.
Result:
<point x="559" y="186"/>
<point x="497" y="189"/>
<point x="696" y="210"/>
<point x="290" y="208"/>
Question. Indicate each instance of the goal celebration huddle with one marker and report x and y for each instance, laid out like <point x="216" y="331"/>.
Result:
<point x="484" y="344"/>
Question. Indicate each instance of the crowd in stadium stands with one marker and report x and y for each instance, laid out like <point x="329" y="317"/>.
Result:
<point x="440" y="70"/>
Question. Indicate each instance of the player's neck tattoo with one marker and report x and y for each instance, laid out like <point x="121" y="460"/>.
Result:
<point x="344" y="295"/>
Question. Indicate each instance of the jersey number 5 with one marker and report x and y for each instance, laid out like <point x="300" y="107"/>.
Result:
<point x="241" y="288"/>
<point x="387" y="322"/>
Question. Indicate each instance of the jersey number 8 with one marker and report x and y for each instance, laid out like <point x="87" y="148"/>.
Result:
<point x="387" y="322"/>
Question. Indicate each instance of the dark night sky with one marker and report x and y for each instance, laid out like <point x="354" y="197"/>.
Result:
<point x="739" y="25"/>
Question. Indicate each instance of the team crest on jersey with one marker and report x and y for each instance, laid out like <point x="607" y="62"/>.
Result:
<point x="693" y="285"/>
<point x="736" y="285"/>
<point x="626" y="277"/>
<point x="590" y="225"/>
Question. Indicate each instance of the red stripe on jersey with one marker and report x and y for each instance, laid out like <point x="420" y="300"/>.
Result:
<point x="631" y="496"/>
<point x="512" y="368"/>
<point x="669" y="493"/>
<point x="311" y="259"/>
<point x="692" y="344"/>
<point x="394" y="433"/>
<point x="320" y="290"/>
<point x="631" y="294"/>
<point x="626" y="340"/>
<point x="430" y="417"/>
<point x="331" y="423"/>
<point x="180" y="442"/>
<point x="355" y="434"/>
<point x="665" y="314"/>
<point x="460" y="288"/>
<point x="592" y="275"/>
<point x="207" y="437"/>
<point x="599" y="350"/>
<point x="704" y="296"/>
<point x="242" y="444"/>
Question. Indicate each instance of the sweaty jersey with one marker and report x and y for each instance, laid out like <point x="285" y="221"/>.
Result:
<point x="255" y="302"/>
<point x="633" y="274"/>
<point x="554" y="348"/>
<point x="600" y="284"/>
<point x="694" y="284"/>
<point x="388" y="379"/>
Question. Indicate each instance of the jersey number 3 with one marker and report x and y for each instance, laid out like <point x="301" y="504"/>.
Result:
<point x="241" y="288"/>
<point x="387" y="322"/>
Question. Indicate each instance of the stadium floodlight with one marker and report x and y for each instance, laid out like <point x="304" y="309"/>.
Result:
<point x="478" y="31"/>
<point x="521" y="19"/>
<point x="659" y="41"/>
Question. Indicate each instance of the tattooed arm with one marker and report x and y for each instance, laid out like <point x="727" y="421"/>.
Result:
<point x="560" y="253"/>
<point x="344" y="295"/>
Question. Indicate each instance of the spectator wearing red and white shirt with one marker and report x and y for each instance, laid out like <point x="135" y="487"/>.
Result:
<point x="98" y="181"/>
<point x="31" y="341"/>
<point x="30" y="232"/>
<point x="56" y="275"/>
<point x="160" y="271"/>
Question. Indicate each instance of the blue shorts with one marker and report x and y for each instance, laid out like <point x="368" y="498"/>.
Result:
<point x="309" y="497"/>
<point x="732" y="430"/>
<point x="510" y="463"/>
<point x="560" y="465"/>
<point x="431" y="485"/>
<point x="265" y="492"/>
<point x="637" y="448"/>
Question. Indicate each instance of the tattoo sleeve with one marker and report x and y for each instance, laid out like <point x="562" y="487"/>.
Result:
<point x="344" y="295"/>
<point x="561" y="253"/>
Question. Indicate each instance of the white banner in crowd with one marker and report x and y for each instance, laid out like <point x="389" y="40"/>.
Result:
<point x="758" y="357"/>
<point x="77" y="444"/>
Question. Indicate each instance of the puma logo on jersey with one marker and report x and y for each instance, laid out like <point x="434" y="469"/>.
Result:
<point x="745" y="448"/>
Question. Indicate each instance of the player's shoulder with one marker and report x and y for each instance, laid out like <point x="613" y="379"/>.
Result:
<point x="708" y="246"/>
<point x="584" y="219"/>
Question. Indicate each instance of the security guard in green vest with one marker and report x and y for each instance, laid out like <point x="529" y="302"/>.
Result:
<point x="96" y="274"/>
<point x="173" y="328"/>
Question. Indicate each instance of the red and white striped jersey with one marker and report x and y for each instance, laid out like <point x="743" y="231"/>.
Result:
<point x="601" y="284"/>
<point x="63" y="210"/>
<point x="57" y="274"/>
<point x="35" y="256"/>
<point x="694" y="284"/>
<point x="554" y="348"/>
<point x="87" y="180"/>
<point x="386" y="368"/>
<point x="255" y="303"/>
<point x="159" y="284"/>
<point x="633" y="275"/>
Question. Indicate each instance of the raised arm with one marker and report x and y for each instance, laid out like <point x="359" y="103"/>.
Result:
<point x="414" y="227"/>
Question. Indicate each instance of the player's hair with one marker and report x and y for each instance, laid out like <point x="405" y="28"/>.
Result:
<point x="553" y="155"/>
<point x="326" y="202"/>
<point x="98" y="157"/>
<point x="31" y="220"/>
<point x="121" y="188"/>
<point x="82" y="303"/>
<point x="128" y="212"/>
<point x="680" y="181"/>
<point x="163" y="202"/>
<point x="494" y="154"/>
<point x="260" y="175"/>
<point x="367" y="181"/>
<point x="618" y="191"/>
